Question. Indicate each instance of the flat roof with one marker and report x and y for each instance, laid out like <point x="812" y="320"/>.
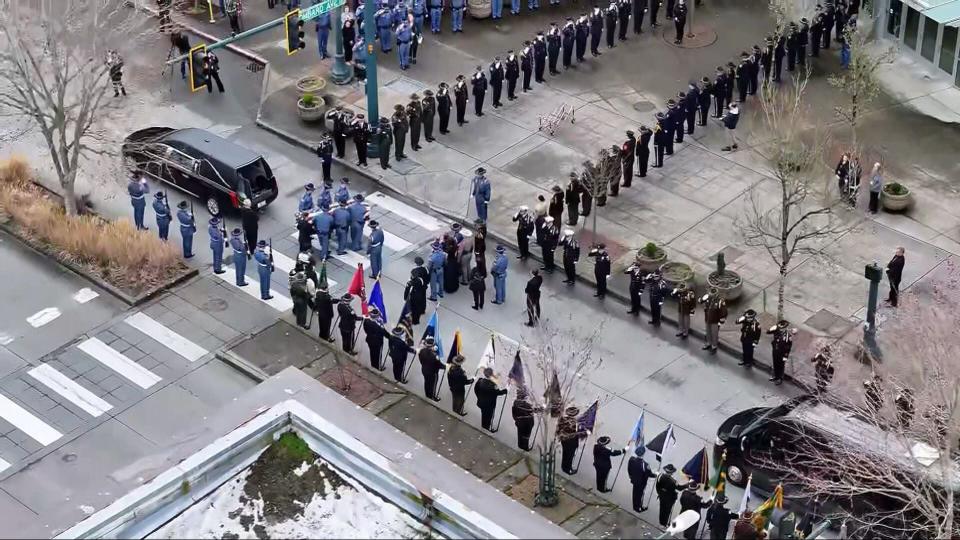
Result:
<point x="219" y="149"/>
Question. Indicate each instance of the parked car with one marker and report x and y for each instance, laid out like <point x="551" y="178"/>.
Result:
<point x="219" y="172"/>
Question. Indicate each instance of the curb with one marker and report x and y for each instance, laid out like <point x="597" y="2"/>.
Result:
<point x="242" y="365"/>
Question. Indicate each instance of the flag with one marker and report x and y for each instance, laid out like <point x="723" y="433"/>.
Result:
<point x="718" y="473"/>
<point x="720" y="488"/>
<point x="746" y="496"/>
<point x="324" y="284"/>
<point x="761" y="516"/>
<point x="488" y="356"/>
<point x="376" y="300"/>
<point x="553" y="395"/>
<point x="405" y="311"/>
<point x="697" y="469"/>
<point x="433" y="329"/>
<point x="455" y="348"/>
<point x="662" y="442"/>
<point x="357" y="288"/>
<point x="516" y="375"/>
<point x="587" y="420"/>
<point x="637" y="436"/>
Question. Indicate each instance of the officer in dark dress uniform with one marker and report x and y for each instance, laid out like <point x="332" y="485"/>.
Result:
<point x="601" y="461"/>
<point x="443" y="107"/>
<point x="512" y="74"/>
<point x="497" y="73"/>
<point x="526" y="65"/>
<point x="659" y="140"/>
<point x="553" y="47"/>
<point x="781" y="345"/>
<point x="667" y="489"/>
<point x="539" y="56"/>
<point x="596" y="30"/>
<point x="582" y="28"/>
<point x="627" y="152"/>
<point x="643" y="150"/>
<point x="567" y="38"/>
<point x="703" y="100"/>
<point x="749" y="336"/>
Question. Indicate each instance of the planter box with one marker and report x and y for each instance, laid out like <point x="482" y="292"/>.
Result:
<point x="895" y="203"/>
<point x="675" y="273"/>
<point x="649" y="264"/>
<point x="311" y="84"/>
<point x="480" y="9"/>
<point x="312" y="114"/>
<point x="730" y="287"/>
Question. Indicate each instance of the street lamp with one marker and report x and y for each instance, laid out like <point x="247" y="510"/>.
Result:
<point x="874" y="273"/>
<point x="369" y="39"/>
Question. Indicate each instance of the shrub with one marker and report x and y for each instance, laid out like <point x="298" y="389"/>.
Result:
<point x="131" y="260"/>
<point x="651" y="250"/>
<point x="309" y="100"/>
<point x="895" y="188"/>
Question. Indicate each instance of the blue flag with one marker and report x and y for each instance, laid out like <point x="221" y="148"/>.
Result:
<point x="698" y="467"/>
<point x="405" y="312"/>
<point x="587" y="420"/>
<point x="376" y="300"/>
<point x="433" y="330"/>
<point x="637" y="436"/>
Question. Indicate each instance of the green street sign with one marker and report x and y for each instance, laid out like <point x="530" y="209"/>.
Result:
<point x="316" y="10"/>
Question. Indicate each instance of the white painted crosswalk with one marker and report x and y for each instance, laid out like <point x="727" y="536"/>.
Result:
<point x="70" y="390"/>
<point x="282" y="262"/>
<point x="350" y="258"/>
<point x="278" y="302"/>
<point x="405" y="211"/>
<point x="21" y="419"/>
<point x="168" y="338"/>
<point x="4" y="465"/>
<point x="390" y="241"/>
<point x="119" y="363"/>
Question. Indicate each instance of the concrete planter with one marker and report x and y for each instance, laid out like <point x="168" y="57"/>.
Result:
<point x="675" y="273"/>
<point x="650" y="263"/>
<point x="730" y="284"/>
<point x="480" y="9"/>
<point x="311" y="84"/>
<point x="313" y="113"/>
<point x="895" y="200"/>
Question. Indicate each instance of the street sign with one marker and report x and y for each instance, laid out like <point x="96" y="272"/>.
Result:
<point x="316" y="10"/>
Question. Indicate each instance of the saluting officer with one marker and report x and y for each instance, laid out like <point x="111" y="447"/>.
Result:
<point x="601" y="269"/>
<point x="637" y="280"/>
<point x="569" y="34"/>
<point x="610" y="16"/>
<point x="512" y="74"/>
<point x="553" y="48"/>
<point x="461" y="94"/>
<point x="571" y="254"/>
<point x="526" y="65"/>
<point x="525" y="227"/>
<point x="497" y="72"/>
<point x="539" y="56"/>
<point x="782" y="344"/>
<point x="749" y="336"/>
<point x="162" y="209"/>
<point x="657" y="289"/>
<point x="137" y="189"/>
<point x="188" y="226"/>
<point x="414" y="111"/>
<point x="686" y="306"/>
<point x="582" y="33"/>
<point x="443" y="107"/>
<point x="714" y="314"/>
<point x="596" y="30"/>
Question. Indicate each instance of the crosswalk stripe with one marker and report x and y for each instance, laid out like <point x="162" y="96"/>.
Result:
<point x="168" y="338"/>
<point x="70" y="390"/>
<point x="118" y="362"/>
<point x="351" y="258"/>
<point x="391" y="241"/>
<point x="85" y="295"/>
<point x="279" y="302"/>
<point x="43" y="317"/>
<point x="4" y="465"/>
<point x="405" y="211"/>
<point x="282" y="262"/>
<point x="21" y="419"/>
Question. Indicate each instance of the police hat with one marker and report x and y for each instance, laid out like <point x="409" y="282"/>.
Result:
<point x="436" y="246"/>
<point x="214" y="221"/>
<point x="603" y="441"/>
<point x="749" y="314"/>
<point x="602" y="246"/>
<point x="398" y="107"/>
<point x="358" y="197"/>
<point x="480" y="68"/>
<point x="535" y="272"/>
<point x="344" y="180"/>
<point x="568" y="232"/>
<point x="458" y="360"/>
<point x="237" y="231"/>
<point x="803" y="20"/>
<point x="346" y="297"/>
<point x="692" y="486"/>
<point x="429" y="340"/>
<point x="571" y="411"/>
<point x="496" y="58"/>
<point x="782" y="324"/>
<point x="756" y="48"/>
<point x="414" y="96"/>
<point x="303" y="257"/>
<point x="644" y="128"/>
<point x="527" y="43"/>
<point x="158" y="195"/>
<point x="359" y="116"/>
<point x="428" y="93"/>
<point x="630" y="133"/>
<point x="309" y="187"/>
<point x="660" y="116"/>
<point x="669" y="468"/>
<point x="548" y="219"/>
<point x="182" y="205"/>
<point x="373" y="310"/>
<point x="730" y="65"/>
<point x="460" y="77"/>
<point x="373" y="224"/>
<point x="397" y="330"/>
<point x="456" y="227"/>
<point x="744" y="54"/>
<point x="418" y="260"/>
<point x="481" y="171"/>
<point x="262" y="243"/>
<point x="510" y="51"/>
<point x="793" y="24"/>
<point x="444" y="85"/>
<point x="501" y="248"/>
<point x="705" y="80"/>
<point x="556" y="189"/>
<point x="383" y="120"/>
<point x="672" y="102"/>
<point x="720" y="499"/>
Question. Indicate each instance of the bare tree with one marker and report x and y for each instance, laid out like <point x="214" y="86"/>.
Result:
<point x="805" y="211"/>
<point x="54" y="74"/>
<point x="595" y="177"/>
<point x="859" y="81"/>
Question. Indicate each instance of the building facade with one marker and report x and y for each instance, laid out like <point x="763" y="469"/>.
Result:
<point x="927" y="29"/>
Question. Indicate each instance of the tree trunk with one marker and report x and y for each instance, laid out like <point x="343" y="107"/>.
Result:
<point x="853" y="120"/>
<point x="781" y="285"/>
<point x="68" y="184"/>
<point x="596" y="210"/>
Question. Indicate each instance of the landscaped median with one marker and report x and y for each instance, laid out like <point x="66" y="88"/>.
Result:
<point x="133" y="265"/>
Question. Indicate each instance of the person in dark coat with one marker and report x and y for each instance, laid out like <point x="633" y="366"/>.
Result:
<point x="250" y="221"/>
<point x="348" y="322"/>
<point x="532" y="291"/>
<point x="639" y="473"/>
<point x="458" y="381"/>
<point x="451" y="266"/>
<point x="744" y="529"/>
<point x="689" y="500"/>
<point x="480" y="246"/>
<point x="601" y="461"/>
<point x="555" y="210"/>
<point x="522" y="412"/>
<point x="643" y="151"/>
<point x="478" y="286"/>
<point x="374" y="334"/>
<point x="399" y="348"/>
<point x="487" y="394"/>
<point x="415" y="291"/>
<point x="895" y="274"/>
<point x="430" y="367"/>
<point x="719" y="518"/>
<point x="628" y="151"/>
<point x="323" y="305"/>
<point x="569" y="435"/>
<point x="667" y="489"/>
<point x="571" y="197"/>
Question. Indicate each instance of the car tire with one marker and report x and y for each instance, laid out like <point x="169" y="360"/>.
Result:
<point x="736" y="475"/>
<point x="213" y="205"/>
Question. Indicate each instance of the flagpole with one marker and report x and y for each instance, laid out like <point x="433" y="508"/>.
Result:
<point x="436" y="393"/>
<point x="382" y="364"/>
<point x="502" y="408"/>
<point x="534" y="437"/>
<point x="410" y="365"/>
<point x="623" y="456"/>
<point x="583" y="450"/>
<point x="659" y="466"/>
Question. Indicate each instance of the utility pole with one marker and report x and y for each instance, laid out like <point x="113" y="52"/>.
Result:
<point x="874" y="274"/>
<point x="370" y="38"/>
<point x="340" y="73"/>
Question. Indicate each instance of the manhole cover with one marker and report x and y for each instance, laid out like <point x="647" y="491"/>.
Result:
<point x="702" y="36"/>
<point x="644" y="106"/>
<point x="215" y="304"/>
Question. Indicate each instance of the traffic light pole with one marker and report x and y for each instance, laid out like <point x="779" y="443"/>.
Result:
<point x="226" y="41"/>
<point x="370" y="38"/>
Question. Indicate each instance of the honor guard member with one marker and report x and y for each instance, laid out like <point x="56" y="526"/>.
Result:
<point x="217" y="243"/>
<point x="339" y="130"/>
<point x="803" y="38"/>
<point x="714" y="314"/>
<point x="689" y="500"/>
<point x="435" y="266"/>
<point x="374" y="334"/>
<point x="539" y="56"/>
<point x="512" y="74"/>
<point x="667" y="489"/>
<point x="553" y="47"/>
<point x="323" y="307"/>
<point x="348" y="320"/>
<point x="525" y="227"/>
<point x="743" y="77"/>
<point x="361" y="135"/>
<point x="399" y="12"/>
<point x="640" y="474"/>
<point x="766" y="58"/>
<point x="657" y="289"/>
<point x="526" y="65"/>
<point x="555" y="208"/>
<point x="679" y="21"/>
<point x="781" y="345"/>
<point x="719" y="518"/>
<point x="610" y="16"/>
<point x="488" y="392"/>
<point x="571" y="255"/>
<point x="480" y="190"/>
<point x="456" y="14"/>
<point x="461" y="94"/>
<point x="829" y="17"/>
<point x="719" y="91"/>
<point x="703" y="100"/>
<point x="399" y="350"/>
<point x="749" y="336"/>
<point x="458" y="381"/>
<point x="601" y="269"/>
<point x="522" y="412"/>
<point x="415" y="291"/>
<point x="596" y="30"/>
<point x="643" y="150"/>
<point x="430" y="367"/>
<point x="753" y="77"/>
<point x="375" y="249"/>
<point x="306" y="200"/>
<point x="419" y="11"/>
<point x="659" y="140"/>
<point x="443" y="107"/>
<point x="429" y="110"/>
<point x="686" y="306"/>
<point x="670" y="126"/>
<point x="384" y="140"/>
<point x="264" y="268"/>
<point x="637" y="283"/>
<point x="162" y="209"/>
<point x="499" y="273"/>
<point x="731" y="83"/>
<point x="548" y="243"/>
<point x="680" y="116"/>
<point x="301" y="293"/>
<point x="497" y="73"/>
<point x="639" y="9"/>
<point x="616" y="165"/>
<point x="400" y="127"/>
<point x="325" y="153"/>
<point x="568" y="37"/>
<point x="793" y="45"/>
<point x="358" y="216"/>
<point x="341" y="224"/>
<point x="404" y="37"/>
<point x="137" y="189"/>
<point x="532" y="291"/>
<point x="188" y="226"/>
<point x="414" y="112"/>
<point x="654" y="8"/>
<point x="239" y="246"/>
<point x="384" y="22"/>
<point x="514" y="7"/>
<point x="343" y="190"/>
<point x="624" y="7"/>
<point x="571" y="196"/>
<point x="436" y="12"/>
<point x="692" y="103"/>
<point x="816" y="31"/>
<point x="779" y="51"/>
<point x="601" y="461"/>
<point x="323" y="224"/>
<point x="569" y="435"/>
<point x="581" y="33"/>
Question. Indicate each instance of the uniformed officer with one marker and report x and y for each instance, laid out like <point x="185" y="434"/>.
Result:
<point x="742" y="77"/>
<point x="755" y="59"/>
<point x="358" y="216"/>
<point x="639" y="9"/>
<point x="657" y="289"/>
<point x="816" y="32"/>
<point x="264" y="268"/>
<point x="569" y="437"/>
<point x="659" y="140"/>
<point x="553" y="47"/>
<point x="497" y="73"/>
<point x="419" y="12"/>
<point x="306" y="200"/>
<point x="637" y="283"/>
<point x="404" y="37"/>
<point x="343" y="190"/>
<point x="428" y="108"/>
<point x="525" y="227"/>
<point x="435" y="266"/>
<point x="522" y="412"/>
<point x="719" y="518"/>
<point x="384" y="21"/>
<point x="443" y="107"/>
<point x="217" y="241"/>
<point x="339" y="118"/>
<point x="532" y="292"/>
<point x="188" y="226"/>
<point x="611" y="14"/>
<point x="714" y="315"/>
<point x="480" y="190"/>
<point x="643" y="150"/>
<point x="692" y="104"/>
<point x="613" y="182"/>
<point x="399" y="12"/>
<point x="499" y="273"/>
<point x="601" y="268"/>
<point x="436" y="12"/>
<point x="778" y="53"/>
<point x="781" y="346"/>
<point x="456" y="12"/>
<point x="654" y="8"/>
<point x="691" y="501"/>
<point x="624" y="7"/>
<point x="488" y="393"/>
<point x="749" y="336"/>
<point x="514" y="7"/>
<point x="627" y="153"/>
<point x="323" y="223"/>
<point x="539" y="56"/>
<point x="461" y="95"/>
<point x="137" y="189"/>
<point x="670" y="126"/>
<point x="458" y="381"/>
<point x="162" y="209"/>
<point x="571" y="196"/>
<point x="679" y="112"/>
<point x="793" y="45"/>
<point x="640" y="474"/>
<point x="341" y="224"/>
<point x="766" y="57"/>
<point x="399" y="349"/>
<point x="550" y="237"/>
<point x="414" y="112"/>
<point x="803" y="38"/>
<point x="829" y="17"/>
<point x="384" y="140"/>
<point x="325" y="153"/>
<point x="567" y="38"/>
<point x="571" y="255"/>
<point x="581" y="33"/>
<point x="686" y="306"/>
<point x="374" y="334"/>
<point x="720" y="83"/>
<point x="400" y="127"/>
<point x="679" y="21"/>
<point x="430" y="367"/>
<point x="361" y="135"/>
<point x="601" y="461"/>
<point x="375" y="249"/>
<point x="667" y="489"/>
<point x="512" y="74"/>
<point x="526" y="65"/>
<point x="596" y="30"/>
<point x="348" y="320"/>
<point x="323" y="307"/>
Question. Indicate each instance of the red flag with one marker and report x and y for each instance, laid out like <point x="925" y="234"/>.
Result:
<point x="357" y="288"/>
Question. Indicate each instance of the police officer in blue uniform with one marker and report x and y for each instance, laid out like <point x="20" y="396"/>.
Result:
<point x="137" y="189"/>
<point x="323" y="223"/>
<point x="499" y="273"/>
<point x="436" y="12"/>
<point x="239" y="245"/>
<point x="419" y="12"/>
<point x="343" y="192"/>
<point x="188" y="226"/>
<point x="216" y="244"/>
<point x="325" y="153"/>
<point x="480" y="189"/>
<point x="435" y="266"/>
<point x="358" y="216"/>
<point x="341" y="223"/>
<point x="456" y="11"/>
<point x="264" y="269"/>
<point x="384" y="21"/>
<point x="399" y="14"/>
<point x="375" y="249"/>
<point x="325" y="200"/>
<point x="323" y="34"/>
<point x="162" y="210"/>
<point x="404" y="37"/>
<point x="657" y="289"/>
<point x="306" y="200"/>
<point x="496" y="9"/>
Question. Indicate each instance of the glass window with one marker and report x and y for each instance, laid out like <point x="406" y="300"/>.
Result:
<point x="893" y="18"/>
<point x="948" y="48"/>
<point x="929" y="44"/>
<point x="911" y="28"/>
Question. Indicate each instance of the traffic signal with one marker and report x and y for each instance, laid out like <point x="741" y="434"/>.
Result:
<point x="198" y="79"/>
<point x="294" y="27"/>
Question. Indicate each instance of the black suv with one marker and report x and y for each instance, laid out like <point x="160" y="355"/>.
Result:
<point x="218" y="172"/>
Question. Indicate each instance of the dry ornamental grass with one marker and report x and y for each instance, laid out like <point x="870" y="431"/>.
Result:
<point x="132" y="260"/>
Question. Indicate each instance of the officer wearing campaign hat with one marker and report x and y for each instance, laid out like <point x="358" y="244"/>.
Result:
<point x="480" y="190"/>
<point x="781" y="345"/>
<point x="719" y="518"/>
<point x="667" y="489"/>
<point x="749" y="336"/>
<point x="264" y="269"/>
<point x="499" y="273"/>
<point x="627" y="154"/>
<point x="306" y="200"/>
<point x="188" y="226"/>
<point x="660" y="137"/>
<point x="601" y="268"/>
<point x="347" y="323"/>
<point x="374" y="333"/>
<point x="571" y="255"/>
<point x="686" y="305"/>
<point x="430" y="367"/>
<point x="375" y="249"/>
<point x="689" y="500"/>
<point x="601" y="461"/>
<point x="399" y="349"/>
<point x="162" y="208"/>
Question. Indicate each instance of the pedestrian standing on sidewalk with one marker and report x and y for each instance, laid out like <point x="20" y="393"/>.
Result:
<point x="230" y="6"/>
<point x="894" y="274"/>
<point x="532" y="290"/>
<point x="478" y="286"/>
<point x="730" y="120"/>
<point x="876" y="186"/>
<point x="458" y="381"/>
<point x="842" y="172"/>
<point x="823" y="369"/>
<point x="499" y="273"/>
<point x="323" y="27"/>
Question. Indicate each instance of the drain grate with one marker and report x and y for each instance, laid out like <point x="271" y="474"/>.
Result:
<point x="254" y="67"/>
